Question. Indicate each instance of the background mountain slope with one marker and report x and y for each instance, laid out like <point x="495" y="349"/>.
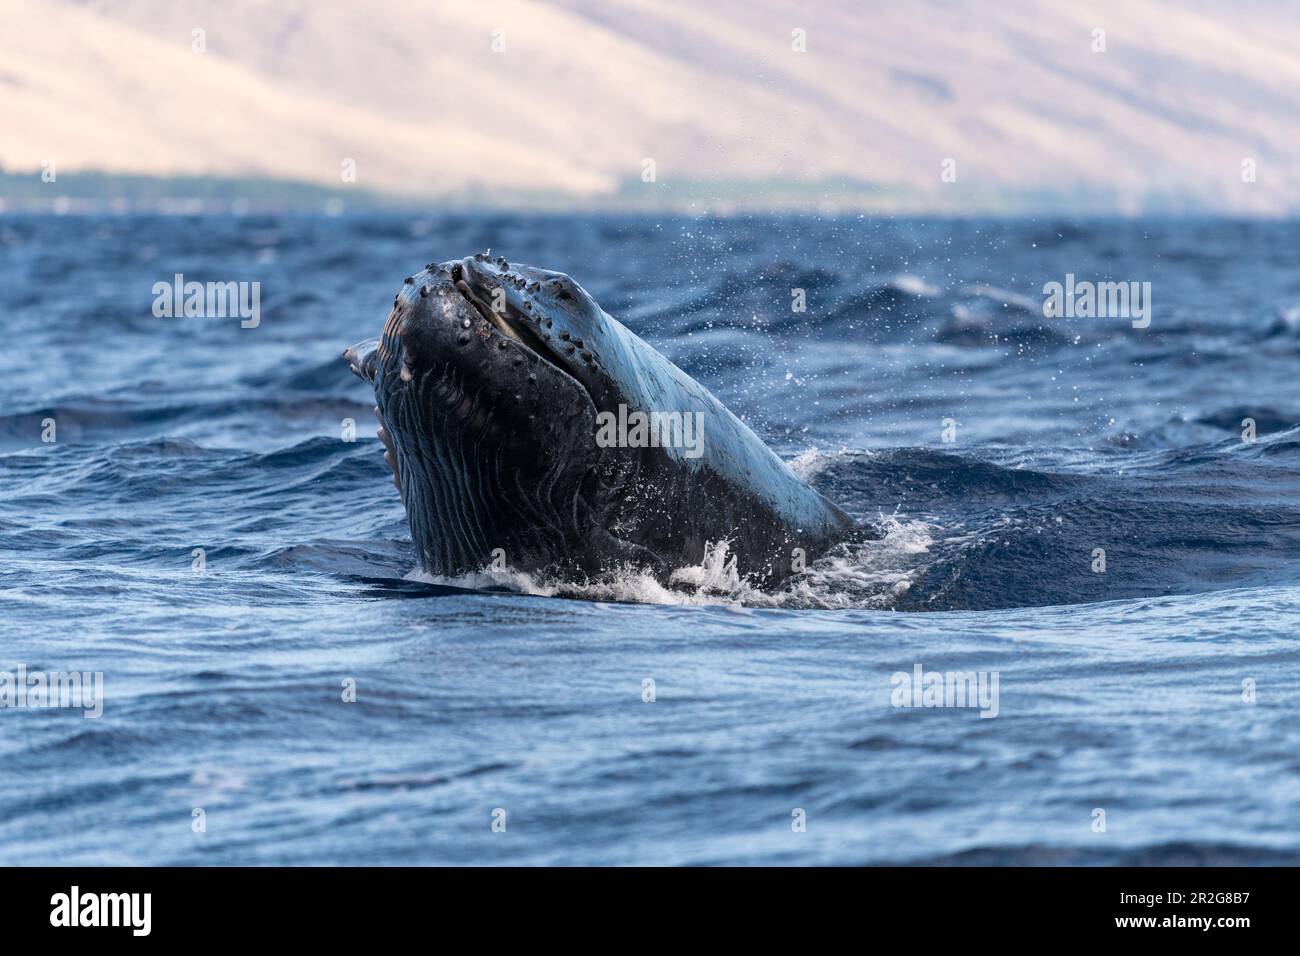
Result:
<point x="580" y="94"/>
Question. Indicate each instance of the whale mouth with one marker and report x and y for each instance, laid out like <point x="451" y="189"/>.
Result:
<point x="507" y="324"/>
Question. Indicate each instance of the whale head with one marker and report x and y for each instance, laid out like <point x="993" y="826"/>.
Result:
<point x="488" y="383"/>
<point x="527" y="427"/>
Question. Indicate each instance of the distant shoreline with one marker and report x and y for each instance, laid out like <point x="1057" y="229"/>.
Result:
<point x="99" y="193"/>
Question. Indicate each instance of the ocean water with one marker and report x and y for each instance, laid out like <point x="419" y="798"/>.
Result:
<point x="1145" y="713"/>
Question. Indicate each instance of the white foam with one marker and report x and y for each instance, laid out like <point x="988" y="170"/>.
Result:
<point x="914" y="285"/>
<point x="868" y="574"/>
<point x="811" y="462"/>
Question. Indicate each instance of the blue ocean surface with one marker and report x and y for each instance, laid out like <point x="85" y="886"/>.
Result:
<point x="1105" y="518"/>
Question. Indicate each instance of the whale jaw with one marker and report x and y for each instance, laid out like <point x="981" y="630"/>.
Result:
<point x="490" y="440"/>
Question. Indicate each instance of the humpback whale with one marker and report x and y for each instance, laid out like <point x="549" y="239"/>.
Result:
<point x="525" y="425"/>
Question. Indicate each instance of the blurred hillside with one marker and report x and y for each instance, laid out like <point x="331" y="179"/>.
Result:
<point x="563" y="104"/>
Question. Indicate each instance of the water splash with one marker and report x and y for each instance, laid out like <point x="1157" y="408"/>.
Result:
<point x="868" y="574"/>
